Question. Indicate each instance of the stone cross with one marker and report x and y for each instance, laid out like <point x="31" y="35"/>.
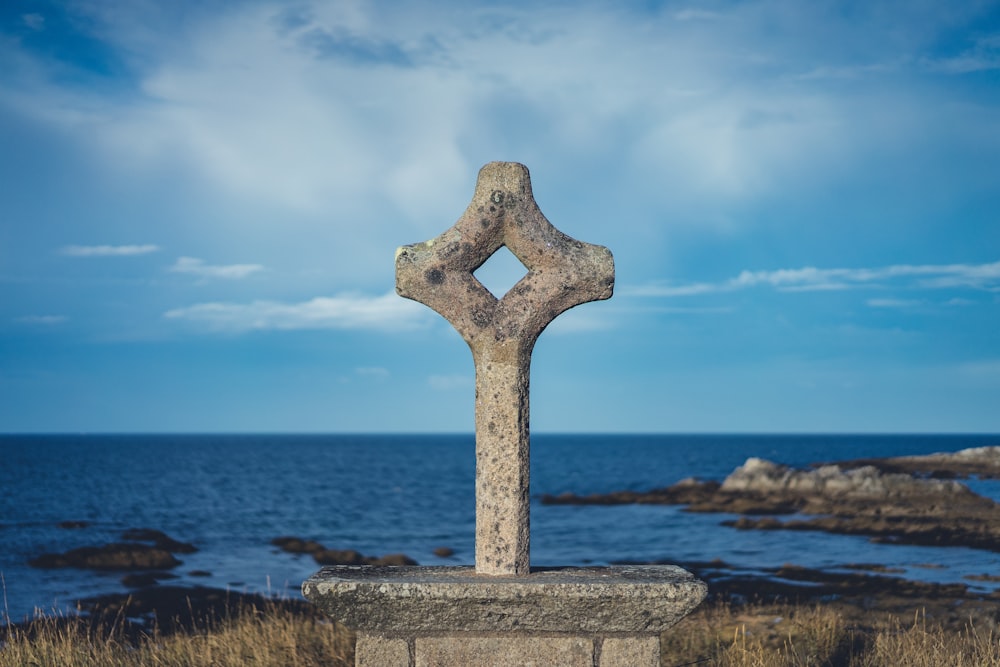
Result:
<point x="562" y="273"/>
<point x="420" y="616"/>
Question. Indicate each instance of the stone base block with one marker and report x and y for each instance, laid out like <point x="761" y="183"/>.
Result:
<point x="486" y="651"/>
<point x="501" y="651"/>
<point x="376" y="651"/>
<point x="424" y="616"/>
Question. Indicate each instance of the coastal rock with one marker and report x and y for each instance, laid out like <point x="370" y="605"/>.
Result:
<point x="981" y="462"/>
<point x="341" y="557"/>
<point x="351" y="557"/>
<point x="109" y="557"/>
<point x="131" y="555"/>
<point x="759" y="476"/>
<point x="296" y="545"/>
<point x="684" y="492"/>
<point x="324" y="556"/>
<point x="888" y="507"/>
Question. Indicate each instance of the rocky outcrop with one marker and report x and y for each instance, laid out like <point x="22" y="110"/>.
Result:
<point x="118" y="556"/>
<point x="760" y="476"/>
<point x="296" y="545"/>
<point x="889" y="507"/>
<point x="981" y="462"/>
<point x="351" y="557"/>
<point x="685" y="492"/>
<point x="130" y="555"/>
<point x="324" y="556"/>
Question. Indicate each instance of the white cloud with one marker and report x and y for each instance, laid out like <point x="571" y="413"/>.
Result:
<point x="927" y="276"/>
<point x="34" y="21"/>
<point x="254" y="100"/>
<point x="982" y="368"/>
<point x="698" y="15"/>
<point x="388" y="312"/>
<point x="256" y="104"/>
<point x="198" y="267"/>
<point x="45" y="320"/>
<point x="983" y="56"/>
<point x="335" y="111"/>
<point x="656" y="289"/>
<point x="894" y="303"/>
<point x="107" y="250"/>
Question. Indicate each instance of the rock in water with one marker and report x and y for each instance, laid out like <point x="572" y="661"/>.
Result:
<point x="110" y="557"/>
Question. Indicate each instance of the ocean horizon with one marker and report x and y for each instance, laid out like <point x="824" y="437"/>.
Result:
<point x="231" y="494"/>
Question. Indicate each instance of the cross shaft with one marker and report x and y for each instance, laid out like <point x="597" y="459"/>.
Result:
<point x="562" y="273"/>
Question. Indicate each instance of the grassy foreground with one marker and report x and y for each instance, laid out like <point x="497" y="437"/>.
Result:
<point x="279" y="634"/>
<point x="267" y="633"/>
<point x="799" y="635"/>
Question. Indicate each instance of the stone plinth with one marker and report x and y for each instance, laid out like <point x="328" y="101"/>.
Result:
<point x="592" y="617"/>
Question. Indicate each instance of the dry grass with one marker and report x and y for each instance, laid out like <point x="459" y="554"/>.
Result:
<point x="923" y="647"/>
<point x="817" y="636"/>
<point x="271" y="635"/>
<point x="717" y="634"/>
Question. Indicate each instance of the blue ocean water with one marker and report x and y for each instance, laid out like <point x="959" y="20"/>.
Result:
<point x="230" y="495"/>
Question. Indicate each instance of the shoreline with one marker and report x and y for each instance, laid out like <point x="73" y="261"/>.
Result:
<point x="758" y="577"/>
<point x="859" y="596"/>
<point x="911" y="500"/>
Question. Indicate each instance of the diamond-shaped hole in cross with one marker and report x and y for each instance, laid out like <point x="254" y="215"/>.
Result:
<point x="501" y="272"/>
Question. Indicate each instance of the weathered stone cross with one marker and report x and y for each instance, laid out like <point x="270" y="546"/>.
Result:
<point x="592" y="616"/>
<point x="562" y="273"/>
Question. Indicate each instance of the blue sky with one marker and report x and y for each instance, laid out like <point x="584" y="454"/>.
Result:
<point x="200" y="203"/>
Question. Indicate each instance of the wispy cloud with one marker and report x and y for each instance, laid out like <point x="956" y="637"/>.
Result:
<point x="44" y="320"/>
<point x="107" y="250"/>
<point x="270" y="126"/>
<point x="34" y="21"/>
<point x="341" y="44"/>
<point x="385" y="313"/>
<point x="698" y="15"/>
<point x="926" y="276"/>
<point x="984" y="55"/>
<point x="982" y="367"/>
<point x="198" y="267"/>
<point x="894" y="303"/>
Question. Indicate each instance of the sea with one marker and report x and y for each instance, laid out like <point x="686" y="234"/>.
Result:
<point x="231" y="495"/>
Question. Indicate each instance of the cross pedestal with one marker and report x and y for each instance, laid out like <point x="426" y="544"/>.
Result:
<point x="503" y="612"/>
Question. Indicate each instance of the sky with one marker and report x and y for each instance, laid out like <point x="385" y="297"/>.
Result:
<point x="200" y="204"/>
